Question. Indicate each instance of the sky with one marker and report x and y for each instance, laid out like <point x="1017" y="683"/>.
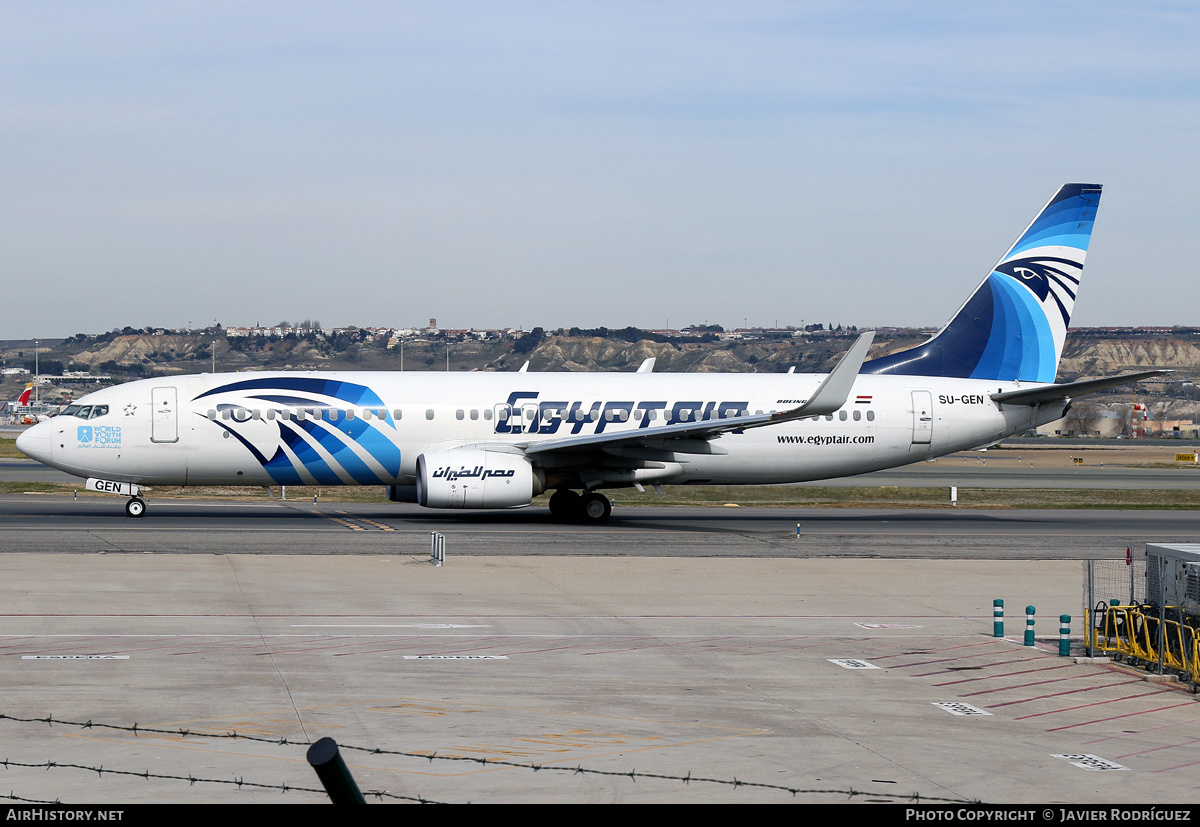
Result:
<point x="497" y="164"/>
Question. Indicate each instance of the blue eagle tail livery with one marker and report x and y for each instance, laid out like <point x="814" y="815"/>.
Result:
<point x="498" y="440"/>
<point x="1014" y="325"/>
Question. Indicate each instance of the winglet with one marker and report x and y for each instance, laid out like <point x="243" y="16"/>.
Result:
<point x="833" y="391"/>
<point x="648" y="365"/>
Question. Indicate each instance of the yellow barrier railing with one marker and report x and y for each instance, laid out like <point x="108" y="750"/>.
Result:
<point x="1131" y="633"/>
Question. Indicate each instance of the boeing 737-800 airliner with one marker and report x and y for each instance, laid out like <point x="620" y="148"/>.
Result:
<point x="497" y="440"/>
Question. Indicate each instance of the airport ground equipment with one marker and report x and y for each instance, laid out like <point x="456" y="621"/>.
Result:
<point x="1155" y="624"/>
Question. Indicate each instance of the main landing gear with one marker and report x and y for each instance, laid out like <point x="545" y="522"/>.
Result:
<point x="135" y="507"/>
<point x="588" y="507"/>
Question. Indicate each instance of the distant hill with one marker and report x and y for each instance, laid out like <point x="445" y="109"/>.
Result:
<point x="131" y="355"/>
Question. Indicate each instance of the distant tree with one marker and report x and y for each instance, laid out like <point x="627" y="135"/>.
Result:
<point x="529" y="341"/>
<point x="47" y="367"/>
<point x="1083" y="419"/>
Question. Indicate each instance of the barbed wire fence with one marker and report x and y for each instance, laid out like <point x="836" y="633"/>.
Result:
<point x="385" y="795"/>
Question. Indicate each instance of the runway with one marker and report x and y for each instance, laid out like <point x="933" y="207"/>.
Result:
<point x="50" y="523"/>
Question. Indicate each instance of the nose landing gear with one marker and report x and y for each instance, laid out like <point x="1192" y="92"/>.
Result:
<point x="135" y="507"/>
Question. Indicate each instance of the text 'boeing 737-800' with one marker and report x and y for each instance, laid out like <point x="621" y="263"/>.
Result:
<point x="497" y="440"/>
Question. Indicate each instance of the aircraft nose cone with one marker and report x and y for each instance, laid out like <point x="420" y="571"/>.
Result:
<point x="35" y="442"/>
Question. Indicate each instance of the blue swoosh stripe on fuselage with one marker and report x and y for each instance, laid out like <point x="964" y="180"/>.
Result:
<point x="309" y="458"/>
<point x="344" y="455"/>
<point x="351" y="394"/>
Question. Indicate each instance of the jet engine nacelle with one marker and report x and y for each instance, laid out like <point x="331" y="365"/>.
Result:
<point x="474" y="478"/>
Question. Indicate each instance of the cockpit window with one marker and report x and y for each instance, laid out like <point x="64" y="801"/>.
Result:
<point x="85" y="411"/>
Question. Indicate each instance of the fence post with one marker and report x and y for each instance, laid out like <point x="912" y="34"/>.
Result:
<point x="339" y="784"/>
<point x="1089" y="600"/>
<point x="1162" y="611"/>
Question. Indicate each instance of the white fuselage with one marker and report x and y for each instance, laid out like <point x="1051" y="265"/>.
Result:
<point x="368" y="428"/>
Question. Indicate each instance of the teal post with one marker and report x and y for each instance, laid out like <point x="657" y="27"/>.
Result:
<point x="997" y="618"/>
<point x="1064" y="635"/>
<point x="1030" y="611"/>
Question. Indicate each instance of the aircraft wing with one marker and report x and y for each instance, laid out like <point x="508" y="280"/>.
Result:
<point x="830" y="395"/>
<point x="1069" y="390"/>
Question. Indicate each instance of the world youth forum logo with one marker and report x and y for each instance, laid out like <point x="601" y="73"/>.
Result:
<point x="99" y="436"/>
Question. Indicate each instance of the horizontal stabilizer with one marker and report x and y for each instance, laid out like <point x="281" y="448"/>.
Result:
<point x="1069" y="390"/>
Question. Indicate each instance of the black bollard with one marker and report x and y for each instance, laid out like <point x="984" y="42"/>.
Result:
<point x="323" y="756"/>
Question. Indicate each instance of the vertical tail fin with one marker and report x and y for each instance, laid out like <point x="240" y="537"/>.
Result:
<point x="23" y="399"/>
<point x="1015" y="324"/>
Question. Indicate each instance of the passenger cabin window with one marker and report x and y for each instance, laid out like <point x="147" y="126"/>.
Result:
<point x="870" y="416"/>
<point x="842" y="415"/>
<point x="474" y="413"/>
<point x="487" y="413"/>
<point x="397" y="414"/>
<point x="429" y="413"/>
<point x="460" y="414"/>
